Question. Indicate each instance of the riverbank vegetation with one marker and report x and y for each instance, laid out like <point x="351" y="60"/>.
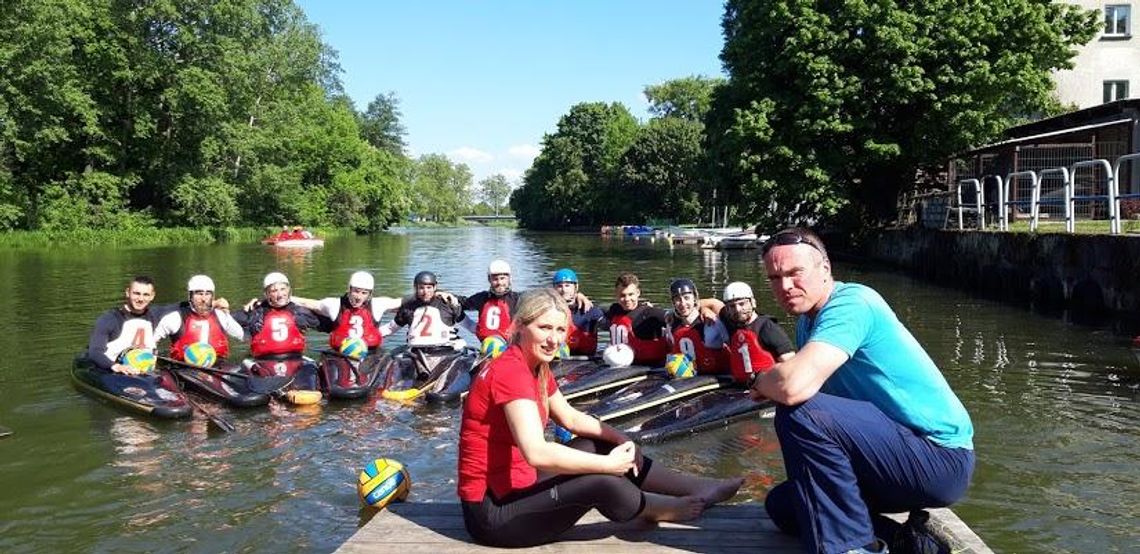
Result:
<point x="129" y="117"/>
<point x="829" y="111"/>
<point x="153" y="236"/>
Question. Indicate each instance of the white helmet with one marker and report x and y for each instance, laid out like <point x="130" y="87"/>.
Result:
<point x="618" y="355"/>
<point x="499" y="267"/>
<point x="361" y="280"/>
<point x="273" y="279"/>
<point x="200" y="282"/>
<point x="736" y="290"/>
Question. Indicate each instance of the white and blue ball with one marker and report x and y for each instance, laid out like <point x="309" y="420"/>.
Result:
<point x="382" y="482"/>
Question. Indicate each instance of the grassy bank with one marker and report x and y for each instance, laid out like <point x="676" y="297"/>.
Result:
<point x="146" y="236"/>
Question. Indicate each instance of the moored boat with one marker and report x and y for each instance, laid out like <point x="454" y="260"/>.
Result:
<point x="155" y="393"/>
<point x="297" y="238"/>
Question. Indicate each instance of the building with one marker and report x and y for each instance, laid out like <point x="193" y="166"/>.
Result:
<point x="1108" y="67"/>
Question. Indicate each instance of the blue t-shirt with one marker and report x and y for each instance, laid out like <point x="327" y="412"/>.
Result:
<point x="887" y="367"/>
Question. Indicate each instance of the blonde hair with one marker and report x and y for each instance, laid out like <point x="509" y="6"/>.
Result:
<point x="532" y="305"/>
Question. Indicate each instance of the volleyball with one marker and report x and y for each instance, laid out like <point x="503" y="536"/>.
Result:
<point x="618" y="355"/>
<point x="383" y="481"/>
<point x="493" y="346"/>
<point x="562" y="353"/>
<point x="139" y="359"/>
<point x="354" y="347"/>
<point x="679" y="366"/>
<point x="200" y="354"/>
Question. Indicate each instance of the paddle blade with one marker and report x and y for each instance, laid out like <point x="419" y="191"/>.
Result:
<point x="303" y="397"/>
<point x="402" y="395"/>
<point x="269" y="385"/>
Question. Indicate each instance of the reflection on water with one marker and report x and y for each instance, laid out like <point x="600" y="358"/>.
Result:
<point x="1055" y="405"/>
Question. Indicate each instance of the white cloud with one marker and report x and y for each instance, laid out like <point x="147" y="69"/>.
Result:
<point x="467" y="154"/>
<point x="510" y="173"/>
<point x="524" y="151"/>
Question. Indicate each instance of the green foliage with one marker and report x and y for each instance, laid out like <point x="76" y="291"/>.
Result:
<point x="119" y="115"/>
<point x="659" y="173"/>
<point x="494" y="191"/>
<point x="380" y="124"/>
<point x="440" y="189"/>
<point x="687" y="98"/>
<point x="837" y="104"/>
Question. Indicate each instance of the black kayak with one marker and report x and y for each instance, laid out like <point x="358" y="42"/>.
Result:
<point x="155" y="393"/>
<point x="344" y="378"/>
<point x="447" y="381"/>
<point x="574" y="364"/>
<point x="709" y="410"/>
<point x="234" y="390"/>
<point x="586" y="380"/>
<point x="650" y="393"/>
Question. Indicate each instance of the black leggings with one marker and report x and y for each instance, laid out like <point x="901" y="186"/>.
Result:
<point x="539" y="513"/>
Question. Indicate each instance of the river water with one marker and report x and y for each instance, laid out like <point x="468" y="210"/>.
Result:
<point x="1055" y="405"/>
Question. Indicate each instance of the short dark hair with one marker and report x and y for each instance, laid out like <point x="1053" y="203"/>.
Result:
<point x="795" y="235"/>
<point x="627" y="278"/>
<point x="142" y="280"/>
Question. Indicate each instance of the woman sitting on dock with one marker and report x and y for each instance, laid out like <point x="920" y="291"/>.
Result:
<point x="517" y="488"/>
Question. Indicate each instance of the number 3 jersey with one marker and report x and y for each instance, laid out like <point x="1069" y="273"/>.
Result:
<point x="430" y="323"/>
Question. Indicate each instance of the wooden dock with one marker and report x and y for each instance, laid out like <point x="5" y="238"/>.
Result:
<point x="438" y="527"/>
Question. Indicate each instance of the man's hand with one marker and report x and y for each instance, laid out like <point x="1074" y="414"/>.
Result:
<point x="249" y="306"/>
<point x="448" y="297"/>
<point x="221" y="304"/>
<point x="754" y="390"/>
<point x="124" y="369"/>
<point x="584" y="302"/>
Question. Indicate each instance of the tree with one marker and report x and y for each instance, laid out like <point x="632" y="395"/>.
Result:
<point x="834" y="105"/>
<point x="659" y="173"/>
<point x="687" y="98"/>
<point x="440" y="188"/>
<point x="380" y="124"/>
<point x="495" y="190"/>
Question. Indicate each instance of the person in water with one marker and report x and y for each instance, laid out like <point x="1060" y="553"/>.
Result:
<point x="200" y="319"/>
<point x="127" y="327"/>
<point x="431" y="320"/>
<point x="637" y="324"/>
<point x="276" y="328"/>
<point x="354" y="314"/>
<point x="701" y="339"/>
<point x="756" y="342"/>
<point x="582" y="337"/>
<point x="518" y="489"/>
<point x="866" y="421"/>
<point x="495" y="306"/>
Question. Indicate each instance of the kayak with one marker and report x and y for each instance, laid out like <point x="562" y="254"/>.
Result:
<point x="232" y="390"/>
<point x="712" y="409"/>
<point x="154" y="393"/>
<point x="345" y="378"/>
<point x="650" y="393"/>
<point x="303" y="370"/>
<point x="561" y="368"/>
<point x="448" y="380"/>
<point x="586" y="380"/>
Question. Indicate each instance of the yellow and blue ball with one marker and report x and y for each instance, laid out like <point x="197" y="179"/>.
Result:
<point x="493" y="346"/>
<point x="679" y="366"/>
<point x="139" y="359"/>
<point x="563" y="352"/>
<point x="200" y="354"/>
<point x="354" y="347"/>
<point x="383" y="481"/>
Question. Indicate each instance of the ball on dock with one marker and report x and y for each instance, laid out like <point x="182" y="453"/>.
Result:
<point x="354" y="347"/>
<point x="200" y="354"/>
<point x="618" y="355"/>
<point x="383" y="481"/>
<point x="679" y="366"/>
<point x="138" y="359"/>
<point x="493" y="346"/>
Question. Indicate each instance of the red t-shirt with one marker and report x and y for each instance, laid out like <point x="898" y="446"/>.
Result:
<point x="488" y="455"/>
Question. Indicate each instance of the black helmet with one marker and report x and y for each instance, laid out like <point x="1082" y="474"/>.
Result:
<point x="424" y="278"/>
<point x="681" y="286"/>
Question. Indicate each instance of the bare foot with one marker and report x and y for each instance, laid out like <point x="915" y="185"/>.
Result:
<point x="660" y="507"/>
<point x="720" y="490"/>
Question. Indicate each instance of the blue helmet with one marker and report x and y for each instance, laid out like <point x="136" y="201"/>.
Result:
<point x="565" y="275"/>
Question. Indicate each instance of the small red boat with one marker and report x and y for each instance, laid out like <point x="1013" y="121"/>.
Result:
<point x="297" y="238"/>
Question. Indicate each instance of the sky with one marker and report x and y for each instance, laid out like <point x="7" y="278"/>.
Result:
<point x="483" y="81"/>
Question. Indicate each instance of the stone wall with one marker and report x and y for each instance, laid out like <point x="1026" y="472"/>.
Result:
<point x="1083" y="273"/>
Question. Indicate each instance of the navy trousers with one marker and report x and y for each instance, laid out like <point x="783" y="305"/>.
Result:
<point x="845" y="461"/>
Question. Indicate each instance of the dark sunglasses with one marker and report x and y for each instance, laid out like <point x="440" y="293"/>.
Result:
<point x="787" y="238"/>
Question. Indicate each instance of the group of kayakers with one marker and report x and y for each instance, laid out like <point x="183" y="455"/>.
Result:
<point x="866" y="421"/>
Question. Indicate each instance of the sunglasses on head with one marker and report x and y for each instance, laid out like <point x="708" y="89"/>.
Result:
<point x="787" y="238"/>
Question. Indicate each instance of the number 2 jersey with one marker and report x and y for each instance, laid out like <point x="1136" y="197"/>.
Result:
<point x="430" y="323"/>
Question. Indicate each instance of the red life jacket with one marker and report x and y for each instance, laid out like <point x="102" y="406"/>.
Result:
<point x="278" y="335"/>
<point x="581" y="342"/>
<point x="494" y="318"/>
<point x="689" y="340"/>
<point x="745" y="355"/>
<point x="200" y="328"/>
<point x="356" y="323"/>
<point x="645" y="351"/>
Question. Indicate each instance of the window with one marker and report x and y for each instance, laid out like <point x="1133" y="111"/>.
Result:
<point x="1115" y="90"/>
<point x="1118" y="20"/>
